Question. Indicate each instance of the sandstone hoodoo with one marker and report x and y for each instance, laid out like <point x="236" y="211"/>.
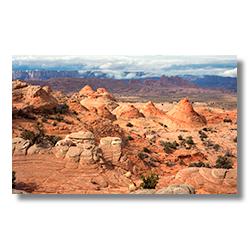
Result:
<point x="127" y="112"/>
<point x="185" y="115"/>
<point x="150" y="110"/>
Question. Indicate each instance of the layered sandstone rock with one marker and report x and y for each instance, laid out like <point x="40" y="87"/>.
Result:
<point x="150" y="110"/>
<point x="184" y="114"/>
<point x="127" y="111"/>
<point x="100" y="98"/>
<point x="214" y="181"/>
<point x="112" y="152"/>
<point x="20" y="146"/>
<point x="31" y="97"/>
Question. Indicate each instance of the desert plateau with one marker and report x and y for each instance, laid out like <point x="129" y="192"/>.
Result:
<point x="97" y="142"/>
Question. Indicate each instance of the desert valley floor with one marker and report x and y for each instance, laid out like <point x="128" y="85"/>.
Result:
<point x="103" y="143"/>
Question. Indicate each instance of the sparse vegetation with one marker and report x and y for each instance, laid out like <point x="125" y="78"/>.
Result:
<point x="205" y="129"/>
<point x="227" y="120"/>
<point x="129" y="124"/>
<point x="146" y="150"/>
<point x="229" y="153"/>
<point x="200" y="164"/>
<point x="203" y="135"/>
<point x="62" y="108"/>
<point x="190" y="141"/>
<point x="216" y="147"/>
<point x="59" y="117"/>
<point x="46" y="112"/>
<point x="54" y="124"/>
<point x="235" y="139"/>
<point x="223" y="162"/>
<point x="149" y="181"/>
<point x="39" y="137"/>
<point x="141" y="155"/>
<point x="180" y="137"/>
<point x="75" y="113"/>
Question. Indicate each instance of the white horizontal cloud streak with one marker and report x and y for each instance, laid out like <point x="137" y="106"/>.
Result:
<point x="231" y="73"/>
<point x="116" y="65"/>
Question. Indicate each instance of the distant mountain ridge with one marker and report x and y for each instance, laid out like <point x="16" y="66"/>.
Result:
<point x="164" y="86"/>
<point x="213" y="81"/>
<point x="138" y="78"/>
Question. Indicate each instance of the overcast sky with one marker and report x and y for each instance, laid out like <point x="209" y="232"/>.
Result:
<point x="116" y="65"/>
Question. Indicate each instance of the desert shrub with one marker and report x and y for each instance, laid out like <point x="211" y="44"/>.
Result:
<point x="205" y="129"/>
<point x="152" y="164"/>
<point x="149" y="181"/>
<point x="29" y="135"/>
<point x="165" y="126"/>
<point x="167" y="150"/>
<point x="54" y="124"/>
<point x="146" y="150"/>
<point x="53" y="139"/>
<point x="223" y="162"/>
<point x="45" y="112"/>
<point x="130" y="138"/>
<point x="75" y="113"/>
<point x="235" y="139"/>
<point x="180" y="137"/>
<point x="141" y="155"/>
<point x="129" y="124"/>
<point x="216" y="147"/>
<point x="25" y="115"/>
<point x="78" y="119"/>
<point x="62" y="108"/>
<point x="44" y="119"/>
<point x="200" y="132"/>
<point x="227" y="120"/>
<point x="200" y="164"/>
<point x="59" y="117"/>
<point x="190" y="141"/>
<point x="189" y="147"/>
<point x="203" y="135"/>
<point x="13" y="178"/>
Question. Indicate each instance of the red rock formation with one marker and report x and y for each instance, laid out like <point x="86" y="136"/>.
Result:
<point x="32" y="97"/>
<point x="206" y="180"/>
<point x="185" y="115"/>
<point x="150" y="110"/>
<point x="127" y="111"/>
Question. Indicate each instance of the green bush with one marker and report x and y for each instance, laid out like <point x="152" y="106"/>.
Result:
<point x="59" y="117"/>
<point x="227" y="120"/>
<point x="235" y="139"/>
<point x="146" y="150"/>
<point x="205" y="129"/>
<point x="190" y="141"/>
<point x="130" y="138"/>
<point x="223" y="162"/>
<point x="46" y="112"/>
<point x="149" y="181"/>
<point x="62" y="109"/>
<point x="44" y="119"/>
<point x="203" y="135"/>
<point x="141" y="155"/>
<point x="216" y="147"/>
<point x="52" y="139"/>
<point x="75" y="113"/>
<point x="180" y="137"/>
<point x="200" y="164"/>
<point x="54" y="124"/>
<point x="129" y="124"/>
<point x="29" y="135"/>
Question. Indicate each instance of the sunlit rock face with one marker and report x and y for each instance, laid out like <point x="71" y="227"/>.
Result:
<point x="20" y="146"/>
